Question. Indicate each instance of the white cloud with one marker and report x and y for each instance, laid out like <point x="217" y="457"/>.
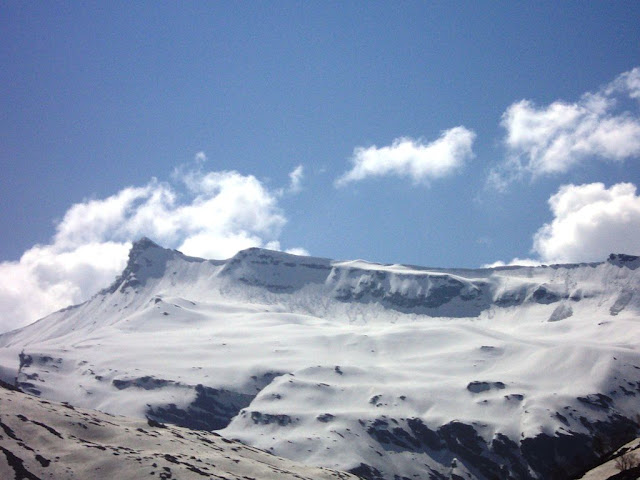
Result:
<point x="226" y="206"/>
<point x="628" y="82"/>
<point x="200" y="157"/>
<point x="47" y="278"/>
<point x="414" y="159"/>
<point x="522" y="262"/>
<point x="295" y="178"/>
<point x="217" y="214"/>
<point x="552" y="139"/>
<point x="590" y="222"/>
<point x="298" y="251"/>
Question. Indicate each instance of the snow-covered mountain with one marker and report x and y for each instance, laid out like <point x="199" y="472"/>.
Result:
<point x="387" y="371"/>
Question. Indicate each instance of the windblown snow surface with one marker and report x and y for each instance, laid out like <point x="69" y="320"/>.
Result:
<point x="387" y="371"/>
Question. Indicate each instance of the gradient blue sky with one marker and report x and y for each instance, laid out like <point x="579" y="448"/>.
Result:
<point x="99" y="96"/>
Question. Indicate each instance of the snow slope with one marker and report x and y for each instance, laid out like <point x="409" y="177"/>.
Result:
<point x="388" y="371"/>
<point x="41" y="439"/>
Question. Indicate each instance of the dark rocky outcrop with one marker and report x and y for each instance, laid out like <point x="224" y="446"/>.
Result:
<point x="479" y="387"/>
<point x="146" y="383"/>
<point x="270" y="419"/>
<point x="622" y="260"/>
<point x="146" y="260"/>
<point x="553" y="457"/>
<point x="428" y="293"/>
<point x="212" y="409"/>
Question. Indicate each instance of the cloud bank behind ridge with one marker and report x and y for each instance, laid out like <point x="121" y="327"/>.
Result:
<point x="589" y="222"/>
<point x="215" y="214"/>
<point x="210" y="215"/>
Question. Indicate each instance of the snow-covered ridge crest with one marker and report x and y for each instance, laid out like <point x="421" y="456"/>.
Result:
<point x="432" y="291"/>
<point x="382" y="370"/>
<point x="146" y="260"/>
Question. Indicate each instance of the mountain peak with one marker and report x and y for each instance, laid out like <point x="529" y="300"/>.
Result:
<point x="142" y="252"/>
<point x="144" y="243"/>
<point x="146" y="259"/>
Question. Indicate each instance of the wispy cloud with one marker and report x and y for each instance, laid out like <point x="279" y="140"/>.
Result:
<point x="211" y="215"/>
<point x="521" y="262"/>
<point x="297" y="251"/>
<point x="200" y="157"/>
<point x="552" y="139"/>
<point x="295" y="178"/>
<point x="413" y="159"/>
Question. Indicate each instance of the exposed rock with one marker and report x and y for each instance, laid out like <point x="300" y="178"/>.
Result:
<point x="561" y="312"/>
<point x="621" y="260"/>
<point x="212" y="409"/>
<point x="544" y="295"/>
<point x="621" y="302"/>
<point x="146" y="383"/>
<point x="269" y="419"/>
<point x="479" y="387"/>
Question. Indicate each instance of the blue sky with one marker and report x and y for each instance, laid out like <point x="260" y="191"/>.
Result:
<point x="186" y="122"/>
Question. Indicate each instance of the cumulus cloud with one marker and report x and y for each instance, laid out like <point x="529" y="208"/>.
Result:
<point x="211" y="215"/>
<point x="589" y="222"/>
<point x="48" y="278"/>
<point x="410" y="158"/>
<point x="552" y="139"/>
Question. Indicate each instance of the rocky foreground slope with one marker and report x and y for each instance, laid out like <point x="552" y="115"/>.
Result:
<point x="623" y="464"/>
<point x="387" y="371"/>
<point x="41" y="439"/>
